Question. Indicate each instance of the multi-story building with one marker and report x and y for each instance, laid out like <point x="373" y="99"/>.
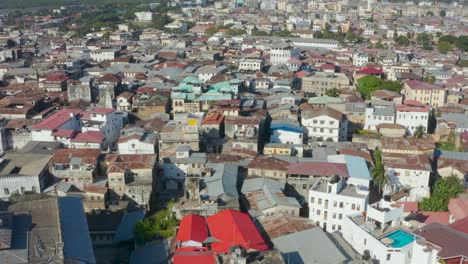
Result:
<point x="427" y="93"/>
<point x="286" y="132"/>
<point x="131" y="175"/>
<point x="325" y="124"/>
<point x="250" y="65"/>
<point x="103" y="54"/>
<point x="360" y="59"/>
<point x="93" y="128"/>
<point x="409" y="173"/>
<point x="379" y="112"/>
<point x="75" y="166"/>
<point x="332" y="198"/>
<point x="174" y="134"/>
<point x="26" y="169"/>
<point x="319" y="82"/>
<point x="136" y="140"/>
<point x="412" y="114"/>
<point x="281" y="53"/>
<point x="380" y="235"/>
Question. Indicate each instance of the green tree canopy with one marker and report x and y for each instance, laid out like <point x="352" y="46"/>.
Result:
<point x="402" y="41"/>
<point x="369" y="84"/>
<point x="158" y="226"/>
<point x="444" y="189"/>
<point x="334" y="92"/>
<point x="444" y="47"/>
<point x="429" y="79"/>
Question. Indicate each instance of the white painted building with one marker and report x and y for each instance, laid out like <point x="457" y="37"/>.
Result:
<point x="316" y="43"/>
<point x="11" y="184"/>
<point x="332" y="198"/>
<point x="144" y="16"/>
<point x="325" y="124"/>
<point x="103" y="54"/>
<point x="137" y="143"/>
<point x="286" y="132"/>
<point x="408" y="172"/>
<point x="281" y="53"/>
<point x="377" y="113"/>
<point x="94" y="128"/>
<point x="360" y="59"/>
<point x="412" y="114"/>
<point x="250" y="65"/>
<point x="381" y="234"/>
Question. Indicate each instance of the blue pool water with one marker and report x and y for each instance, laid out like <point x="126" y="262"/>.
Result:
<point x="400" y="238"/>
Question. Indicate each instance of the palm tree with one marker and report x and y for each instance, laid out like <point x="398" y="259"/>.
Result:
<point x="419" y="132"/>
<point x="379" y="176"/>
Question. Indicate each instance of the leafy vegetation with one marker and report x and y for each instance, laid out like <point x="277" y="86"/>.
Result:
<point x="419" y="132"/>
<point x="369" y="84"/>
<point x="379" y="176"/>
<point x="429" y="79"/>
<point x="463" y="63"/>
<point x="458" y="42"/>
<point x="444" y="47"/>
<point x="334" y="92"/>
<point x="444" y="189"/>
<point x="402" y="40"/>
<point x="161" y="225"/>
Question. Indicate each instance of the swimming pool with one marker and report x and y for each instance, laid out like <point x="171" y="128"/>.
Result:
<point x="400" y="238"/>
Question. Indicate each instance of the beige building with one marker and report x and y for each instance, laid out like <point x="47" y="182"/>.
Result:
<point x="319" y="82"/>
<point x="277" y="149"/>
<point x="268" y="167"/>
<point x="426" y="93"/>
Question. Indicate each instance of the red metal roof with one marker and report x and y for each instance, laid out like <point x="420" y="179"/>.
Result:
<point x="461" y="225"/>
<point x="452" y="242"/>
<point x="57" y="77"/>
<point x="420" y="85"/>
<point x="213" y="119"/>
<point x="234" y="228"/>
<point x="57" y="119"/>
<point x="192" y="228"/>
<point x="89" y="136"/>
<point x="319" y="169"/>
<point x="458" y="207"/>
<point x="192" y="255"/>
<point x="369" y="70"/>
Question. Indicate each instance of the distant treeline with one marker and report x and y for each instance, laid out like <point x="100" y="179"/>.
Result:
<point x="53" y="3"/>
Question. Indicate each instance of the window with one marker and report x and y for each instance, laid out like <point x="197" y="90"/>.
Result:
<point x="334" y="216"/>
<point x="341" y="204"/>
<point x="339" y="227"/>
<point x="340" y="216"/>
<point x="312" y="199"/>
<point x="318" y="212"/>
<point x="333" y="227"/>
<point x="33" y="189"/>
<point x="6" y="191"/>
<point x="365" y="241"/>
<point x="335" y="203"/>
<point x="304" y="186"/>
<point x="326" y="204"/>
<point x="353" y="207"/>
<point x="358" y="207"/>
<point x="389" y="256"/>
<point x="320" y="201"/>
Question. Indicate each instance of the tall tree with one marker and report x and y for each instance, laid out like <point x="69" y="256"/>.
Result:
<point x="419" y="132"/>
<point x="379" y="176"/>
